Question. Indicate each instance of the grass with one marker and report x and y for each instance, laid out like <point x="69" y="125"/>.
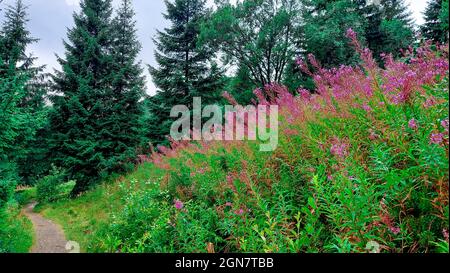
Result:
<point x="16" y="230"/>
<point x="363" y="163"/>
<point x="84" y="217"/>
<point x="26" y="195"/>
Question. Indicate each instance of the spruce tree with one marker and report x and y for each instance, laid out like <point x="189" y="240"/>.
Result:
<point x="325" y="25"/>
<point x="23" y="84"/>
<point x="185" y="69"/>
<point x="19" y="120"/>
<point x="444" y="19"/>
<point x="82" y="116"/>
<point x="128" y="88"/>
<point x="389" y="26"/>
<point x="432" y="29"/>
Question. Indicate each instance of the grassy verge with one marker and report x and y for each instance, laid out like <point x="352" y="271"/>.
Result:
<point x="84" y="218"/>
<point x="16" y="230"/>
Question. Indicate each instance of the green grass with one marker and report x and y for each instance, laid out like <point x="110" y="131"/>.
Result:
<point x="84" y="217"/>
<point x="360" y="170"/>
<point x="25" y="196"/>
<point x="16" y="230"/>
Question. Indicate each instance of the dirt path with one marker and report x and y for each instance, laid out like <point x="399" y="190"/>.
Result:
<point x="49" y="237"/>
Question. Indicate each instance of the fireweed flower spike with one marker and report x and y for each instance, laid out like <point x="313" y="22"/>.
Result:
<point x="412" y="124"/>
<point x="178" y="205"/>
<point x="437" y="138"/>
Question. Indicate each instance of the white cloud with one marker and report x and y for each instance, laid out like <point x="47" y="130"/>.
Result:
<point x="72" y="2"/>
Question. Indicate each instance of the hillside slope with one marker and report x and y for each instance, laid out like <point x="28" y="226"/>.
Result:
<point x="362" y="165"/>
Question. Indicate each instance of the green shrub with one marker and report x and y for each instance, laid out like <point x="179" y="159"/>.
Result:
<point x="47" y="187"/>
<point x="7" y="181"/>
<point x="15" y="230"/>
<point x="6" y="191"/>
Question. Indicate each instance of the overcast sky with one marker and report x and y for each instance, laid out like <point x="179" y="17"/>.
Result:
<point x="49" y="20"/>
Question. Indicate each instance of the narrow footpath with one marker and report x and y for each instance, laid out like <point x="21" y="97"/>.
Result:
<point x="49" y="237"/>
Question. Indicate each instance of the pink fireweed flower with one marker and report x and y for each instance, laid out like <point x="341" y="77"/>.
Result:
<point x="412" y="124"/>
<point x="230" y="98"/>
<point x="395" y="230"/>
<point x="290" y="132"/>
<point x="228" y="204"/>
<point x="444" y="124"/>
<point x="430" y="102"/>
<point x="304" y="94"/>
<point x="351" y="34"/>
<point x="230" y="180"/>
<point x="367" y="108"/>
<point x="178" y="204"/>
<point x="445" y="233"/>
<point x="330" y="178"/>
<point x="436" y="138"/>
<point x="339" y="149"/>
<point x="239" y="212"/>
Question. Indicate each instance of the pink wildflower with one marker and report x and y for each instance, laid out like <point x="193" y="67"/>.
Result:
<point x="444" y="124"/>
<point x="437" y="138"/>
<point x="445" y="233"/>
<point x="230" y="98"/>
<point x="179" y="205"/>
<point x="291" y="132"/>
<point x="228" y="204"/>
<point x="395" y="230"/>
<point x="412" y="124"/>
<point x="339" y="149"/>
<point x="304" y="94"/>
<point x="430" y="102"/>
<point x="367" y="108"/>
<point x="351" y="34"/>
<point x="239" y="212"/>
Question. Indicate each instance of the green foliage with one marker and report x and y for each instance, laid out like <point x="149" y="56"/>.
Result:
<point x="257" y="35"/>
<point x="25" y="196"/>
<point x="95" y="124"/>
<point x="21" y="96"/>
<point x="444" y="18"/>
<point x="7" y="188"/>
<point x="185" y="69"/>
<point x="325" y="25"/>
<point x="435" y="22"/>
<point x="389" y="28"/>
<point x="16" y="231"/>
<point x="47" y="187"/>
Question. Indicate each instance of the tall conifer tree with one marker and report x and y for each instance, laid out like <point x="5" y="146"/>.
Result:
<point x="185" y="69"/>
<point x="128" y="88"/>
<point x="389" y="26"/>
<point x="325" y="26"/>
<point x="93" y="93"/>
<point x="21" y="101"/>
<point x="433" y="29"/>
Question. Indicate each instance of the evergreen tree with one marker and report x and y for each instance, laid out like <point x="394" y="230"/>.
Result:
<point x="389" y="28"/>
<point x="444" y="19"/>
<point x="24" y="86"/>
<point x="325" y="25"/>
<point x="18" y="120"/>
<point x="432" y="29"/>
<point x="185" y="68"/>
<point x="87" y="135"/>
<point x="128" y="88"/>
